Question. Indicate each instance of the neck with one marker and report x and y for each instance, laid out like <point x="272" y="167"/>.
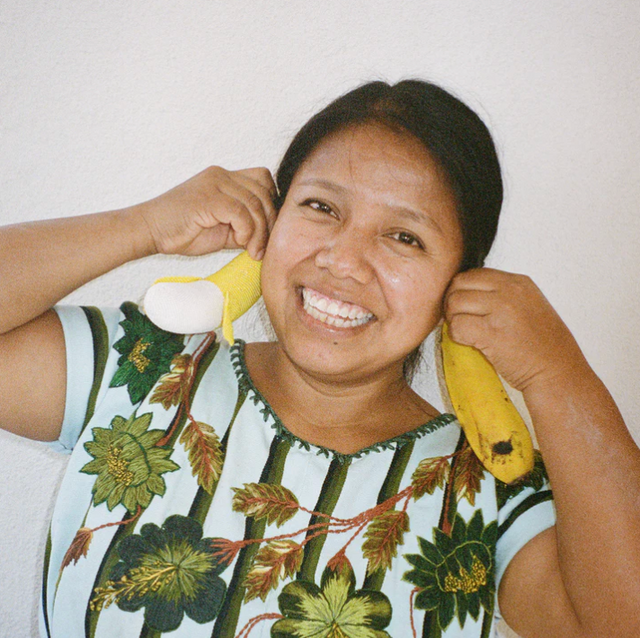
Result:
<point x="344" y="414"/>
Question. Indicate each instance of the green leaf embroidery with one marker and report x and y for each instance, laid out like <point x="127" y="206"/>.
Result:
<point x="430" y="474"/>
<point x="264" y="500"/>
<point x="128" y="463"/>
<point x="147" y="352"/>
<point x="205" y="453"/>
<point x="277" y="560"/>
<point x="468" y="475"/>
<point x="174" y="386"/>
<point x="383" y="535"/>
<point x="455" y="574"/>
<point x="335" y="609"/>
<point x="171" y="571"/>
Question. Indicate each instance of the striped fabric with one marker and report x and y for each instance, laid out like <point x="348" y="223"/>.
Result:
<point x="188" y="508"/>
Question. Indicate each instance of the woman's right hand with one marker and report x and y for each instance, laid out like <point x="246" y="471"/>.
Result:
<point x="213" y="210"/>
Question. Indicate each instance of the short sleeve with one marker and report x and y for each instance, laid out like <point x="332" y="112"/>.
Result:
<point x="524" y="512"/>
<point x="89" y="334"/>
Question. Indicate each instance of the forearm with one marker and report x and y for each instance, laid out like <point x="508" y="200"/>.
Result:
<point x="42" y="262"/>
<point x="594" y="469"/>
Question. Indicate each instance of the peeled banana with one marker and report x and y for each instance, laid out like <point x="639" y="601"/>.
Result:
<point x="191" y="305"/>
<point x="493" y="427"/>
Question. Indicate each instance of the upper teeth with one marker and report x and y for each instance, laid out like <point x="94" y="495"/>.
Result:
<point x="333" y="312"/>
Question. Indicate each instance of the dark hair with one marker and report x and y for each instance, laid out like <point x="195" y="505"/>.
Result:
<point x="451" y="132"/>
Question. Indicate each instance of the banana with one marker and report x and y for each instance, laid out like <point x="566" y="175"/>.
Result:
<point x="191" y="305"/>
<point x="494" y="428"/>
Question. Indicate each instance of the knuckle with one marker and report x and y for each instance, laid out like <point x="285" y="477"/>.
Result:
<point x="214" y="171"/>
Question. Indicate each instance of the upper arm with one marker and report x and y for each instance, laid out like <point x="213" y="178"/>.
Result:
<point x="33" y="378"/>
<point x="532" y="596"/>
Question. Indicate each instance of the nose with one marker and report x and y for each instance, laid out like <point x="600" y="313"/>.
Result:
<point x="345" y="255"/>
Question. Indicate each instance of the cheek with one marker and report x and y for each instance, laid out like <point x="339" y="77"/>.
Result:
<point x="417" y="297"/>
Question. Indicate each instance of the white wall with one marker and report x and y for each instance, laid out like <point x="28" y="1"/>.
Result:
<point x="106" y="103"/>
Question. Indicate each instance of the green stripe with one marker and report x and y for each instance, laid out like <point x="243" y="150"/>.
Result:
<point x="527" y="504"/>
<point x="430" y="625"/>
<point x="487" y="622"/>
<point x="45" y="579"/>
<point x="225" y="626"/>
<point x="329" y="495"/>
<point x="109" y="561"/>
<point x="202" y="501"/>
<point x="390" y="487"/>
<point x="149" y="633"/>
<point x="100" y="337"/>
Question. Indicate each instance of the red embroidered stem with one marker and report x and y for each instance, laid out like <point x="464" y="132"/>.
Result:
<point x="195" y="360"/>
<point x="414" y="591"/>
<point x="244" y="632"/>
<point x="125" y="522"/>
<point x="174" y="424"/>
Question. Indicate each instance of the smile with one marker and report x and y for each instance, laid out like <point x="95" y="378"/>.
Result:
<point x="333" y="312"/>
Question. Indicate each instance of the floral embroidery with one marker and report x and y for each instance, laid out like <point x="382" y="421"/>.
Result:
<point x="147" y="353"/>
<point x="128" y="462"/>
<point x="455" y="574"/>
<point x="536" y="480"/>
<point x="333" y="610"/>
<point x="170" y="571"/>
<point x="173" y="388"/>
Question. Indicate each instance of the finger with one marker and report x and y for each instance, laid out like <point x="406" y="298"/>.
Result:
<point x="266" y="195"/>
<point x="251" y="203"/>
<point x="230" y="210"/>
<point x="486" y="279"/>
<point x="468" y="330"/>
<point x="469" y="301"/>
<point x="264" y="187"/>
<point x="262" y="176"/>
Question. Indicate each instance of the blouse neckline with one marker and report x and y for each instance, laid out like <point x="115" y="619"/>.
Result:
<point x="246" y="383"/>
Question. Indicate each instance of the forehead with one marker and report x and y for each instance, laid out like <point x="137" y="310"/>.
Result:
<point x="374" y="157"/>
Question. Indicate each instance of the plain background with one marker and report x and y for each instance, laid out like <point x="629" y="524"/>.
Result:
<point x="107" y="103"/>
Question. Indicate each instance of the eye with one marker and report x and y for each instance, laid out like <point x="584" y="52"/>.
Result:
<point x="321" y="207"/>
<point x="407" y="238"/>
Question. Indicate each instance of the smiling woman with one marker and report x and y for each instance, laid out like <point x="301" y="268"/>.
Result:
<point x="300" y="487"/>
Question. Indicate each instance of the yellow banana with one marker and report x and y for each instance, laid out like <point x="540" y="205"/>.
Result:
<point x="494" y="428"/>
<point x="190" y="305"/>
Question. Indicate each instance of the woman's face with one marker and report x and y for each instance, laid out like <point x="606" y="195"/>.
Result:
<point x="361" y="254"/>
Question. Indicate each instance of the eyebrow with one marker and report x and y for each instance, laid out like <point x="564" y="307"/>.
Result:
<point x="403" y="211"/>
<point x="418" y="216"/>
<point x="324" y="183"/>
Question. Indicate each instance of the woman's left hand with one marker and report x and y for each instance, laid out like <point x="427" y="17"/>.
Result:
<point x="507" y="317"/>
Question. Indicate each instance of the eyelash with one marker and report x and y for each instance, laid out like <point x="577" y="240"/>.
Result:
<point x="315" y="204"/>
<point x="407" y="238"/>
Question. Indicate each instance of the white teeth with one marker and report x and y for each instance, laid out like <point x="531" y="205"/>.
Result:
<point x="332" y="308"/>
<point x="333" y="312"/>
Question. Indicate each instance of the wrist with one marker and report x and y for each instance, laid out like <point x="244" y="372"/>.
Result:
<point x="137" y="230"/>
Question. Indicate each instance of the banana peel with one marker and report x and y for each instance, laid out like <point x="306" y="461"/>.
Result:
<point x="192" y="305"/>
<point x="493" y="426"/>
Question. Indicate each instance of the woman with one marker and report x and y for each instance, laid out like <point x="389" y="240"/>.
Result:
<point x="300" y="487"/>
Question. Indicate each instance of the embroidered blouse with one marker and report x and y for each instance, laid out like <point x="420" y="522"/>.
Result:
<point x="188" y="508"/>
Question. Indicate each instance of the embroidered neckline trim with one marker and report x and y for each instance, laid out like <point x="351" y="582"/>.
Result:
<point x="246" y="384"/>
